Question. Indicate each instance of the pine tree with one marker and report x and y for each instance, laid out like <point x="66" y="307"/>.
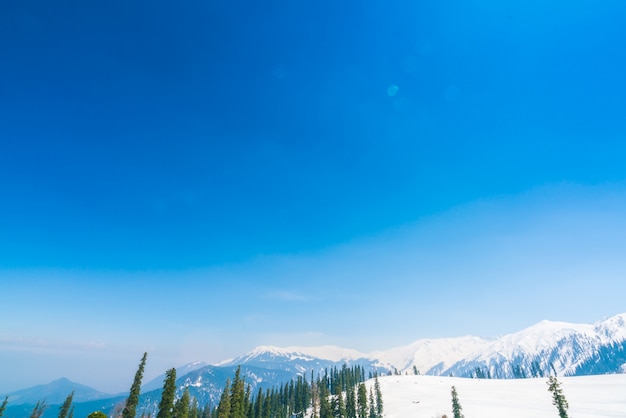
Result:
<point x="97" y="414"/>
<point x="372" y="402"/>
<point x="361" y="401"/>
<point x="558" y="399"/>
<point x="379" y="398"/>
<point x="65" y="408"/>
<point x="223" y="409"/>
<point x="3" y="407"/>
<point x="181" y="408"/>
<point x="456" y="406"/>
<point x="71" y="415"/>
<point x="194" y="410"/>
<point x="237" y="396"/>
<point x="133" y="398"/>
<point x="351" y="402"/>
<point x="166" y="406"/>
<point x="325" y="409"/>
<point x="314" y="398"/>
<point x="337" y="405"/>
<point x="38" y="409"/>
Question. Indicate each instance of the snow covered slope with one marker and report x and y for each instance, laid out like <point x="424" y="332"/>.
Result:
<point x="549" y="346"/>
<point x="429" y="396"/>
<point x="568" y="349"/>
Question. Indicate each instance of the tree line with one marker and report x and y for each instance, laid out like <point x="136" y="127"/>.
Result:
<point x="337" y="393"/>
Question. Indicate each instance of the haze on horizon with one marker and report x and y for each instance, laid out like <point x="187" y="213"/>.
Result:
<point x="196" y="180"/>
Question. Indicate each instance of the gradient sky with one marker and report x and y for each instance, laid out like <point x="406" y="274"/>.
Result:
<point x="195" y="180"/>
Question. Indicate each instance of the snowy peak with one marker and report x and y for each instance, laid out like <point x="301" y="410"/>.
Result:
<point x="538" y="350"/>
<point x="613" y="328"/>
<point x="427" y="354"/>
<point x="304" y="360"/>
<point x="331" y="353"/>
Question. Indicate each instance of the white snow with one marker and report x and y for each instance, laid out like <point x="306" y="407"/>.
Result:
<point x="325" y="352"/>
<point x="427" y="353"/>
<point x="600" y="396"/>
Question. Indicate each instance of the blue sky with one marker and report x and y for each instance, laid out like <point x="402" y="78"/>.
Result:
<point x="196" y="180"/>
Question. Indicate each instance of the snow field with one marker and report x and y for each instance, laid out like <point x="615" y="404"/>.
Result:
<point x="413" y="396"/>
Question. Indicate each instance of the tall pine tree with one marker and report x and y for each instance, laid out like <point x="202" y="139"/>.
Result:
<point x="237" y="396"/>
<point x="166" y="406"/>
<point x="223" y="409"/>
<point x="65" y="408"/>
<point x="372" y="402"/>
<point x="361" y="401"/>
<point x="379" y="397"/>
<point x="133" y="398"/>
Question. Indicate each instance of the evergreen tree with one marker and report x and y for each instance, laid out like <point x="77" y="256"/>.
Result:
<point x="314" y="398"/>
<point x="361" y="401"/>
<point x="166" y="406"/>
<point x="223" y="409"/>
<point x="351" y="402"/>
<point x="456" y="406"/>
<point x="193" y="410"/>
<point x="71" y="415"/>
<point x="558" y="399"/>
<point x="181" y="407"/>
<point x="97" y="414"/>
<point x="372" y="402"/>
<point x="258" y="404"/>
<point x="325" y="409"/>
<point x="379" y="398"/>
<point x="237" y="397"/>
<point x="38" y="409"/>
<point x="337" y="405"/>
<point x="3" y="407"/>
<point x="65" y="408"/>
<point x="133" y="398"/>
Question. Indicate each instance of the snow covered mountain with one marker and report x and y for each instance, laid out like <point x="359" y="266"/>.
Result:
<point x="567" y="349"/>
<point x="546" y="347"/>
<point x="304" y="360"/>
<point x="157" y="382"/>
<point x="561" y="347"/>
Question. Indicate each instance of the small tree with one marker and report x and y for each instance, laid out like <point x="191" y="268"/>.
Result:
<point x="456" y="406"/>
<point x="181" y="408"/>
<point x="558" y="399"/>
<point x="133" y="398"/>
<point x="4" y="405"/>
<point x="38" y="409"/>
<point x="97" y="414"/>
<point x="65" y="408"/>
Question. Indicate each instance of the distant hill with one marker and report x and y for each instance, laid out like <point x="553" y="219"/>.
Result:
<point x="55" y="392"/>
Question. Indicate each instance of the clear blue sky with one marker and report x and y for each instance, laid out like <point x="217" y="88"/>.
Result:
<point x="194" y="180"/>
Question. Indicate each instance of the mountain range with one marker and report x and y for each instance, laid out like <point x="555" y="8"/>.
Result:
<point x="547" y="347"/>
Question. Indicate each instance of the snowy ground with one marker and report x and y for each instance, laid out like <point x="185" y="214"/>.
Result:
<point x="429" y="397"/>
